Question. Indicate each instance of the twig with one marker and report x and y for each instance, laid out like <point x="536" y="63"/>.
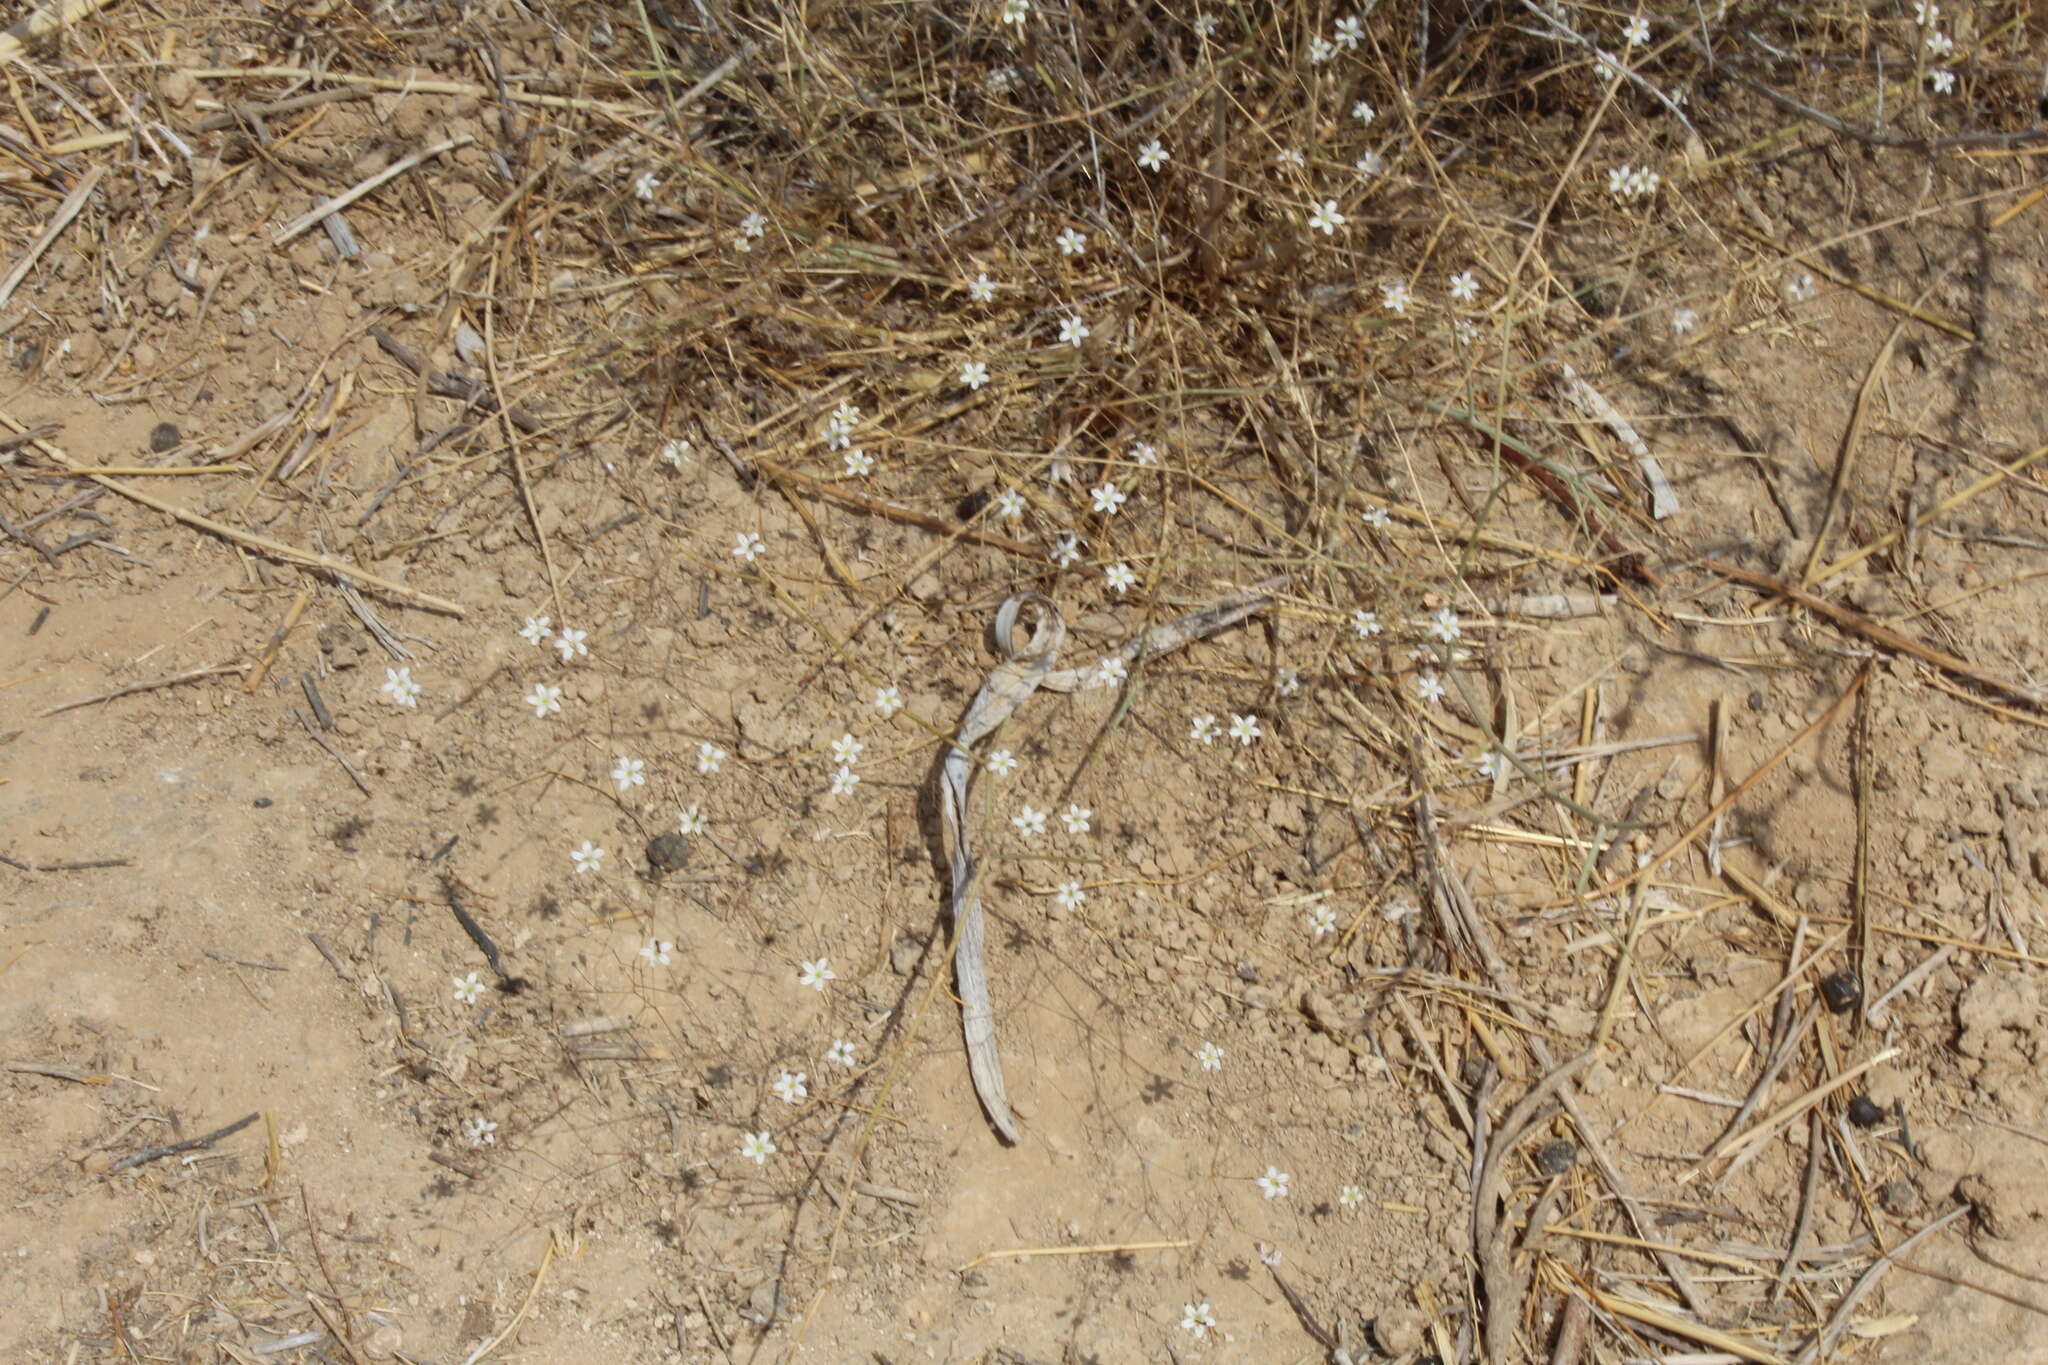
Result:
<point x="475" y="931"/>
<point x="152" y="685"/>
<point x="361" y="188"/>
<point x="333" y="752"/>
<point x="59" y="220"/>
<point x="277" y="639"/>
<point x="189" y="1144"/>
<point x="1838" y="1321"/>
<point x="1099" y="1249"/>
<point x="59" y="1071"/>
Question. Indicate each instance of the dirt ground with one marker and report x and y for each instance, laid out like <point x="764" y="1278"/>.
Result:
<point x="233" y="858"/>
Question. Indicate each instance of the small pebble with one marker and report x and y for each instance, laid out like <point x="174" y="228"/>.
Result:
<point x="1555" y="1158"/>
<point x="1865" y="1112"/>
<point x="163" y="436"/>
<point x="1842" y="990"/>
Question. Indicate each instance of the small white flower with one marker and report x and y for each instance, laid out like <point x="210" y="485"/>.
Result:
<point x="1144" y="454"/>
<point x="1111" y="671"/>
<point x="1073" y="330"/>
<point x="1320" y="50"/>
<point x="838" y="435"/>
<point x="535" y="630"/>
<point x="1645" y="182"/>
<point x="1071" y="242"/>
<point x="693" y="820"/>
<point x="841" y="1052"/>
<point x="1206" y="25"/>
<point x="1926" y="15"/>
<point x="1429" y="688"/>
<point x="1350" y="1196"/>
<point x="844" y="780"/>
<point x="1029" y="822"/>
<point x="1322" y="920"/>
<point x="789" y="1087"/>
<point x="981" y="288"/>
<point x="588" y="858"/>
<point x="1801" y="289"/>
<point x="646" y="185"/>
<point x="1121" y="578"/>
<point x="398" y="684"/>
<point x="846" y="749"/>
<point x="1369" y="164"/>
<point x="1244" y="729"/>
<point x="1269" y="1257"/>
<point x="1365" y="624"/>
<point x="1350" y="33"/>
<point x="1002" y="80"/>
<point x="747" y="546"/>
<point x="1396" y="297"/>
<point x="1210" y="1056"/>
<point x="756" y="1148"/>
<point x="1493" y="766"/>
<point x="846" y="415"/>
<point x="1632" y="182"/>
<point x="1010" y="504"/>
<point x="755" y="225"/>
<point x="1683" y="320"/>
<point x="1444" y="625"/>
<point x="1076" y="818"/>
<point x="1941" y="45"/>
<point x="1943" y="80"/>
<point x="1204" y="728"/>
<point x="974" y="374"/>
<point x="544" y="699"/>
<point x="628" y="773"/>
<point x="1465" y="331"/>
<point x="657" y="952"/>
<point x="1364" y="113"/>
<point x="674" y="453"/>
<point x="1198" y="1319"/>
<point x="1464" y="286"/>
<point x="1108" y="498"/>
<point x="859" y="464"/>
<point x="479" y="1131"/>
<point x="1153" y="155"/>
<point x="1067" y="551"/>
<point x="1324" y="218"/>
<point x="1001" y="762"/>
<point x="1288" y="159"/>
<point x="888" y="701"/>
<point x="1376" y="517"/>
<point x="468" y="988"/>
<point x="816" y="974"/>
<point x="1273" y="1184"/>
<point x="569" y="643"/>
<point x="1288" y="683"/>
<point x="1636" y="31"/>
<point x="1070" y="895"/>
<point x="709" y="756"/>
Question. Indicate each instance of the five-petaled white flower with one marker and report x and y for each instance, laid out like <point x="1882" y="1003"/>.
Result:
<point x="1464" y="286"/>
<point x="1632" y="182"/>
<point x="888" y="701"/>
<point x="1071" y="242"/>
<point x="1324" y="218"/>
<point x="816" y="974"/>
<point x="1365" y="624"/>
<point x="755" y="224"/>
<point x="1396" y="297"/>
<point x="1288" y="159"/>
<point x="1204" y="728"/>
<point x="757" y="1148"/>
<point x="1464" y="331"/>
<point x="1121" y="578"/>
<point x="479" y="1131"/>
<point x="1108" y="498"/>
<point x="1941" y="45"/>
<point x="646" y="185"/>
<point x="747" y="546"/>
<point x="569" y="643"/>
<point x="1001" y="762"/>
<point x="1444" y="625"/>
<point x="840" y="1052"/>
<point x="1493" y="766"/>
<point x="535" y="630"/>
<point x="1926" y="15"/>
<point x="1198" y="1319"/>
<point x="1073" y="330"/>
<point x="846" y="749"/>
<point x="1321" y="49"/>
<point x="974" y="374"/>
<point x="1801" y="289"/>
<point x="1111" y="671"/>
<point x="588" y="858"/>
<point x="1350" y="1196"/>
<point x="1288" y="682"/>
<point x="544" y="699"/>
<point x="1010" y="504"/>
<point x="1636" y="31"/>
<point x="1029" y="822"/>
<point x="1153" y="155"/>
<point x="1070" y="895"/>
<point x="1322" y="920"/>
<point x="398" y="684"/>
<point x="844" y="780"/>
<point x="1273" y="1184"/>
<point x="859" y="464"/>
<point x="1244" y="729"/>
<point x="1364" y="112"/>
<point x="628" y="773"/>
<point x="1369" y="164"/>
<point x="1943" y="80"/>
<point x="1376" y="517"/>
<point x="1206" y="25"/>
<point x="1075" y="818"/>
<point x="1683" y="320"/>
<point x="1144" y="454"/>
<point x="1350" y="32"/>
<point x="468" y="988"/>
<point x="709" y="756"/>
<point x="981" y="288"/>
<point x="674" y="453"/>
<point x="657" y="952"/>
<point x="1269" y="1257"/>
<point x="1210" y="1056"/>
<point x="693" y="820"/>
<point x="1429" y="688"/>
<point x="1067" y="551"/>
<point x="789" y="1087"/>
